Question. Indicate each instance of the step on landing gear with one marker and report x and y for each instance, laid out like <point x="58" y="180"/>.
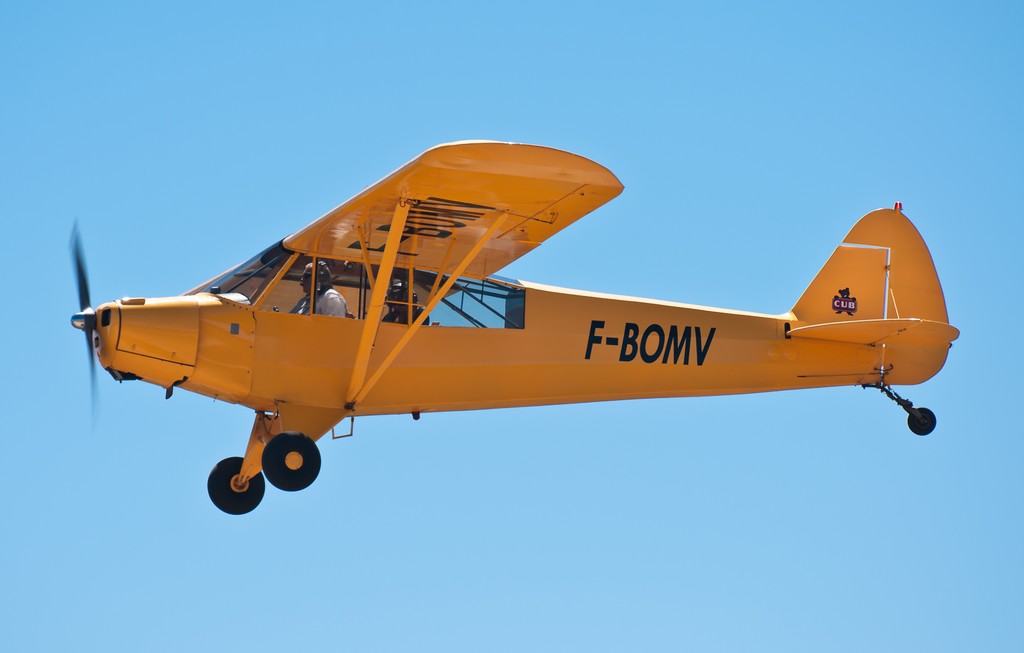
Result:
<point x="920" y="420"/>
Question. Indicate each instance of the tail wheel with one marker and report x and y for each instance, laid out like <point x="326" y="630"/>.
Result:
<point x="920" y="420"/>
<point x="923" y="423"/>
<point x="291" y="461"/>
<point x="231" y="495"/>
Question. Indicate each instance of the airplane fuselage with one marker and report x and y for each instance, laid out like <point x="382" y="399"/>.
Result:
<point x="573" y="347"/>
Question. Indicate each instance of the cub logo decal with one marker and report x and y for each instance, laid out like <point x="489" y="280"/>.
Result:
<point x="843" y="303"/>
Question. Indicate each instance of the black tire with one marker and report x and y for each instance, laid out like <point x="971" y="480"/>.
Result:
<point x="276" y="463"/>
<point x="923" y="425"/>
<point x="225" y="496"/>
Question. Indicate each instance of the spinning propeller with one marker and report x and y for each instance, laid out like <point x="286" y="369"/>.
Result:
<point x="85" y="318"/>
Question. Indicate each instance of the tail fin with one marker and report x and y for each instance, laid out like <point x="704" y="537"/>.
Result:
<point x="881" y="270"/>
<point x="880" y="288"/>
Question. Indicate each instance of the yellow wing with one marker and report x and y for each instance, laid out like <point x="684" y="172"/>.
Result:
<point x="454" y="193"/>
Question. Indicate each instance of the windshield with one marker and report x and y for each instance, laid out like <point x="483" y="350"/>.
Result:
<point x="249" y="278"/>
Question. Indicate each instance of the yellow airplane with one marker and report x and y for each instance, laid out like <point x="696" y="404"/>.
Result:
<point x="389" y="304"/>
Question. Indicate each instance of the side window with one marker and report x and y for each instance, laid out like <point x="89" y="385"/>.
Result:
<point x="403" y="301"/>
<point x="480" y="303"/>
<point x="340" y="288"/>
<point x="316" y="286"/>
<point x="287" y="296"/>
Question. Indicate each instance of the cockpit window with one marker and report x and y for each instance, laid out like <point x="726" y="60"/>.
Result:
<point x="343" y="290"/>
<point x="250" y="278"/>
<point x="287" y="295"/>
<point x="335" y="293"/>
<point x="481" y="303"/>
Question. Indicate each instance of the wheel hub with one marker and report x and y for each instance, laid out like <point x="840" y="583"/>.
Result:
<point x="293" y="460"/>
<point x="239" y="485"/>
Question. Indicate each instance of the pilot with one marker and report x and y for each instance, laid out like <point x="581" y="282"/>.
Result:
<point x="328" y="300"/>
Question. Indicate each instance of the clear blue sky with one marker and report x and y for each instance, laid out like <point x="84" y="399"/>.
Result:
<point x="185" y="137"/>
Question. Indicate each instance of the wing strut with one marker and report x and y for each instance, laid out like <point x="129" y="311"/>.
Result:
<point x="371" y="321"/>
<point x="431" y="304"/>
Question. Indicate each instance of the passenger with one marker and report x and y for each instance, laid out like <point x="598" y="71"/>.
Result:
<point x="398" y="304"/>
<point x="328" y="300"/>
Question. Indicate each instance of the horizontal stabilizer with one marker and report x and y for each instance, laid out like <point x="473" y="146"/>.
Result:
<point x="907" y="331"/>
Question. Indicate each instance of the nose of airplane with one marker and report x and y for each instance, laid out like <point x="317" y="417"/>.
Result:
<point x="155" y="339"/>
<point x="135" y="338"/>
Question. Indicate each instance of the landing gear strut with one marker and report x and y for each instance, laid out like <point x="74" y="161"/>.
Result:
<point x="920" y="420"/>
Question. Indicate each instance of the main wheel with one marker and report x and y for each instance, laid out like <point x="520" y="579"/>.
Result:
<point x="227" y="494"/>
<point x="291" y="461"/>
<point x="923" y="425"/>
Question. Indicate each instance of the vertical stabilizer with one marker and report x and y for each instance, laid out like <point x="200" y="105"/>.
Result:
<point x="882" y="269"/>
